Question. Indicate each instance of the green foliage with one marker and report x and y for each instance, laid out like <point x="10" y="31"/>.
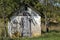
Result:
<point x="9" y="6"/>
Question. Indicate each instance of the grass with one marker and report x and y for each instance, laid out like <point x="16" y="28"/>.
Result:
<point x="46" y="36"/>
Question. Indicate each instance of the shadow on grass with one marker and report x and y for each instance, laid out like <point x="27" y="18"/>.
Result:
<point x="51" y="31"/>
<point x="54" y="31"/>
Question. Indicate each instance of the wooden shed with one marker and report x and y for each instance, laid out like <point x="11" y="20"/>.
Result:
<point x="25" y="22"/>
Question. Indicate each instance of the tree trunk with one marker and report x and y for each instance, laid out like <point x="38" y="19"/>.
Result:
<point x="5" y="28"/>
<point x="47" y="29"/>
<point x="46" y="23"/>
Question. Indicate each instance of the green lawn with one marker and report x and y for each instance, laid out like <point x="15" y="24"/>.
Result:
<point x="46" y="36"/>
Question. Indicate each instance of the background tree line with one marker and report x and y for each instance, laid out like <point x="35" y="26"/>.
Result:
<point x="9" y="6"/>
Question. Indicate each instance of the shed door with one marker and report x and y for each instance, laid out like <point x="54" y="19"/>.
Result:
<point x="26" y="26"/>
